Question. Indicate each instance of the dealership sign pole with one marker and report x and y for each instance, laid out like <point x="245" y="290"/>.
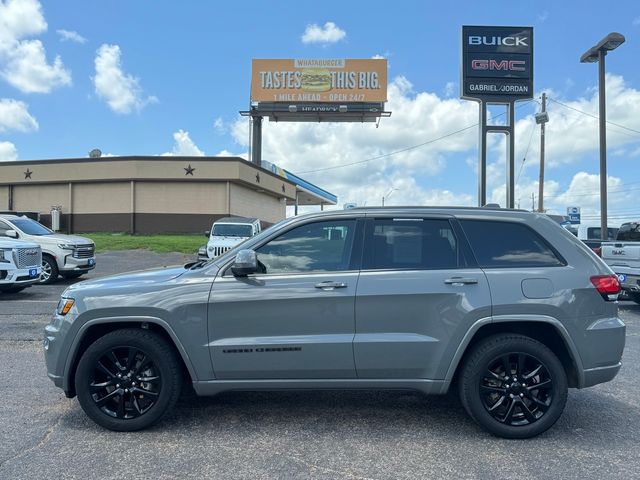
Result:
<point x="497" y="69"/>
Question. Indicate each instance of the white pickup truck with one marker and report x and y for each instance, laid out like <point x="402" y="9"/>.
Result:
<point x="20" y="265"/>
<point x="623" y="256"/>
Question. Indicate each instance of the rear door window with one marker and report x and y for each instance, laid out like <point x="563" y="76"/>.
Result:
<point x="413" y="243"/>
<point x="508" y="244"/>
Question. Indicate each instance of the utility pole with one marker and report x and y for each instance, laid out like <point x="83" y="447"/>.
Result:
<point x="542" y="118"/>
<point x="533" y="202"/>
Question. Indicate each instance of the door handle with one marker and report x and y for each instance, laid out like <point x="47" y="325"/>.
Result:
<point x="459" y="281"/>
<point x="329" y="285"/>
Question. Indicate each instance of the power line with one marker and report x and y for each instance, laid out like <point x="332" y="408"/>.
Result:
<point x="595" y="116"/>
<point x="412" y="147"/>
<point x="525" y="153"/>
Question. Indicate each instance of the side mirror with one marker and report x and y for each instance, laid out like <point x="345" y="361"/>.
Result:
<point x="206" y="233"/>
<point x="11" y="234"/>
<point x="245" y="263"/>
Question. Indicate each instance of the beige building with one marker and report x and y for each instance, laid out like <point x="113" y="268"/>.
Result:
<point x="152" y="194"/>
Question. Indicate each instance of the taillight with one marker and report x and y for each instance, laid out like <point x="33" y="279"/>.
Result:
<point x="607" y="285"/>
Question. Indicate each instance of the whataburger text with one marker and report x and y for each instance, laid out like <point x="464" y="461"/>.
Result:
<point x="348" y="80"/>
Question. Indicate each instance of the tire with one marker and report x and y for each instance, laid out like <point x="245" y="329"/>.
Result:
<point x="49" y="270"/>
<point x="634" y="297"/>
<point x="513" y="409"/>
<point x="71" y="276"/>
<point x="127" y="403"/>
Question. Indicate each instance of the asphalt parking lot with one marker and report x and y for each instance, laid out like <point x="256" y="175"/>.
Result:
<point x="354" y="435"/>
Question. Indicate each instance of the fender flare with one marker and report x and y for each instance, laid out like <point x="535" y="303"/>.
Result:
<point x="478" y="324"/>
<point x="73" y="350"/>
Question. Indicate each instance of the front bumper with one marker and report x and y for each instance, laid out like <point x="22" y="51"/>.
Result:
<point x="22" y="277"/>
<point x="72" y="264"/>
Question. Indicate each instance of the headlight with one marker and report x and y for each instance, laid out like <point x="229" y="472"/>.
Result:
<point x="64" y="305"/>
<point x="66" y="246"/>
<point x="210" y="249"/>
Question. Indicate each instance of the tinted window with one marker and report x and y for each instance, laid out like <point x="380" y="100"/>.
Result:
<point x="593" y="233"/>
<point x="231" y="230"/>
<point x="410" y="244"/>
<point x="315" y="247"/>
<point x="31" y="227"/>
<point x="507" y="244"/>
<point x="629" y="232"/>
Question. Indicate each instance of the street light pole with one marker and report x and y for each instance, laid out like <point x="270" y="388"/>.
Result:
<point x="604" y="224"/>
<point x="597" y="54"/>
<point x="542" y="118"/>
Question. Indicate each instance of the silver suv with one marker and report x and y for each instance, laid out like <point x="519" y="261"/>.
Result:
<point x="506" y="305"/>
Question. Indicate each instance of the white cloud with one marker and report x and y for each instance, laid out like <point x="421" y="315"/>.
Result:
<point x="219" y="126"/>
<point x="71" y="36"/>
<point x="450" y="89"/>
<point x="542" y="17"/>
<point x="330" y="33"/>
<point x="8" y="151"/>
<point x="23" y="62"/>
<point x="183" y="146"/>
<point x="121" y="91"/>
<point x="14" y="115"/>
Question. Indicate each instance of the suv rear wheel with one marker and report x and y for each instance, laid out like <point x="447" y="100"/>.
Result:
<point x="513" y="386"/>
<point x="128" y="379"/>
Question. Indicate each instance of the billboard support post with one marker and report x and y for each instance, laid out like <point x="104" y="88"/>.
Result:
<point x="509" y="131"/>
<point x="256" y="140"/>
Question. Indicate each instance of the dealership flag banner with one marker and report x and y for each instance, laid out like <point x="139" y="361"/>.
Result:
<point x="319" y="80"/>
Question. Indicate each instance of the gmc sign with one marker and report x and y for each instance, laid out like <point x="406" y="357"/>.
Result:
<point x="497" y="63"/>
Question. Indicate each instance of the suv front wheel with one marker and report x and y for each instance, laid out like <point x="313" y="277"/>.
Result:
<point x="513" y="386"/>
<point x="128" y="379"/>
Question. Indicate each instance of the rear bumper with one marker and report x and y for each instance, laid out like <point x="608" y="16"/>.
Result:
<point x="594" y="376"/>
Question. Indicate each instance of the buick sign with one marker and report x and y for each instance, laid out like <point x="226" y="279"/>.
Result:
<point x="497" y="63"/>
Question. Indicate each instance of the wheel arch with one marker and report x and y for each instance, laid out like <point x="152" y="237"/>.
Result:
<point x="96" y="328"/>
<point x="547" y="330"/>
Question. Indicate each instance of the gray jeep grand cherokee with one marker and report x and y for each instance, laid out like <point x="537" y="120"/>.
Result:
<point x="506" y="305"/>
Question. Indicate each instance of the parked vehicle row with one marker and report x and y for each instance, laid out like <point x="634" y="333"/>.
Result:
<point x="505" y="305"/>
<point x="59" y="255"/>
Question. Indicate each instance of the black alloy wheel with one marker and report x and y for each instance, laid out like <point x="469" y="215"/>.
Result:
<point x="513" y="385"/>
<point x="516" y="389"/>
<point x="125" y="382"/>
<point x="128" y="379"/>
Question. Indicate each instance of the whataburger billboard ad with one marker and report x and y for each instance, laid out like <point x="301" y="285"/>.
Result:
<point x="326" y="80"/>
<point x="497" y="63"/>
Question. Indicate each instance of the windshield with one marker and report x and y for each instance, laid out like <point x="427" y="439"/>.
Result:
<point x="31" y="227"/>
<point x="231" y="230"/>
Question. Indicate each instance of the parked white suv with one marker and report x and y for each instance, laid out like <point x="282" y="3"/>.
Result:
<point x="228" y="232"/>
<point x="19" y="265"/>
<point x="66" y="255"/>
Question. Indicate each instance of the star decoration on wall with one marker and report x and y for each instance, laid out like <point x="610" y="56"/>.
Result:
<point x="189" y="170"/>
<point x="27" y="174"/>
<point x="258" y="177"/>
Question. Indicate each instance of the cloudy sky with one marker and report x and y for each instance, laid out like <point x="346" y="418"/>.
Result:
<point x="168" y="78"/>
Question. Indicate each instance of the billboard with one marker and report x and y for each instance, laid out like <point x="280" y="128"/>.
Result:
<point x="319" y="80"/>
<point x="497" y="63"/>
